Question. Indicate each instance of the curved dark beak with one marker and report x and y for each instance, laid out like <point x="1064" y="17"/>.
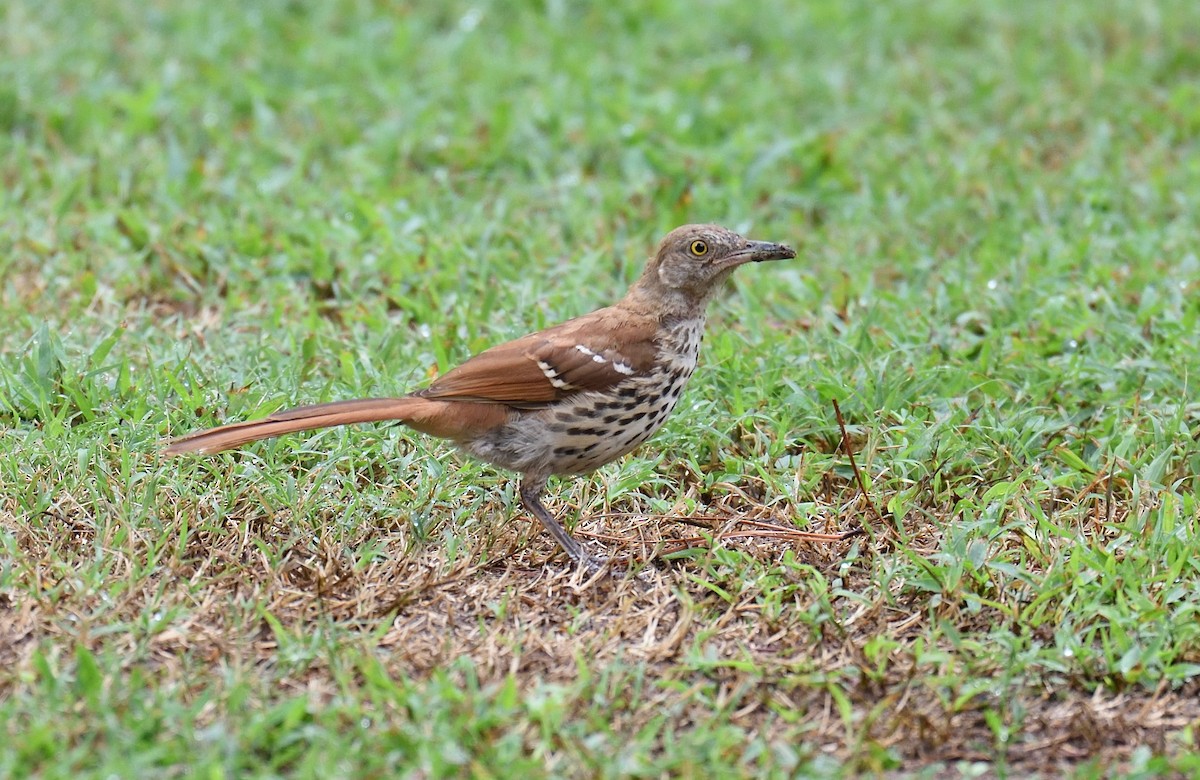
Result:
<point x="758" y="251"/>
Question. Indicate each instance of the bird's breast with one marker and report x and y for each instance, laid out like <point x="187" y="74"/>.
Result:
<point x="587" y="430"/>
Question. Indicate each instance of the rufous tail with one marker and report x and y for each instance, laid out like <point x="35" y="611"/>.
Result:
<point x="303" y="418"/>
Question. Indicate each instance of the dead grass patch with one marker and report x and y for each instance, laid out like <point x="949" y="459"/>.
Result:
<point x="510" y="603"/>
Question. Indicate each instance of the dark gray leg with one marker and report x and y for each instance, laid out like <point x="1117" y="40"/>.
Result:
<point x="531" y="490"/>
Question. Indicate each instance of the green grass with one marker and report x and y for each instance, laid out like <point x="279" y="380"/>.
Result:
<point x="210" y="210"/>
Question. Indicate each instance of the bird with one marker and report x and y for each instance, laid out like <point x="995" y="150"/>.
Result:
<point x="563" y="401"/>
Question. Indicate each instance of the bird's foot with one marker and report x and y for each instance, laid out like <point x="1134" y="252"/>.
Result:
<point x="591" y="564"/>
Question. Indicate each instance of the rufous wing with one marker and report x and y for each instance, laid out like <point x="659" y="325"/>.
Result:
<point x="591" y="353"/>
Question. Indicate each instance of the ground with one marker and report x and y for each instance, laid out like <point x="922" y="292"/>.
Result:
<point x="212" y="210"/>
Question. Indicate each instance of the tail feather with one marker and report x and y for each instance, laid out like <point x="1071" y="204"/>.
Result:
<point x="303" y="418"/>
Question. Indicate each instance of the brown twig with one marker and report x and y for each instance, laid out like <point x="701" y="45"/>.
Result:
<point x="776" y="532"/>
<point x="862" y="485"/>
<point x="767" y="530"/>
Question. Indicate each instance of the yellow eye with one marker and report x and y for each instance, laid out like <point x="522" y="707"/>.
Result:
<point x="699" y="248"/>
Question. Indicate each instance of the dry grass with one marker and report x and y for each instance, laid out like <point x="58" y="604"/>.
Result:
<point x="508" y="601"/>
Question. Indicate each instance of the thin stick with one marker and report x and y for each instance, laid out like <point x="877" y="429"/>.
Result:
<point x="862" y="485"/>
<point x="769" y="530"/>
<point x="773" y="533"/>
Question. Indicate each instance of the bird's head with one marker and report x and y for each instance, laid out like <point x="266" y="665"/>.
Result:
<point x="693" y="260"/>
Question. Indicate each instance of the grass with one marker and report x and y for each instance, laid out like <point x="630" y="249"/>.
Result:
<point x="211" y="210"/>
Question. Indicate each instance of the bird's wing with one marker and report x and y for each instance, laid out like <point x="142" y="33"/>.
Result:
<point x="597" y="351"/>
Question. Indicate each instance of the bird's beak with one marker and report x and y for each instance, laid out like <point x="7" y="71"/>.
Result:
<point x="758" y="251"/>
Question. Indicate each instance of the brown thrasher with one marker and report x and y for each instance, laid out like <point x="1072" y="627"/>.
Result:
<point x="565" y="400"/>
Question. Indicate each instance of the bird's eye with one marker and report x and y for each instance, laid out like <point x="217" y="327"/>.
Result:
<point x="699" y="248"/>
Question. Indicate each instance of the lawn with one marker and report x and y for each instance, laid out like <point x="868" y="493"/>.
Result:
<point x="211" y="210"/>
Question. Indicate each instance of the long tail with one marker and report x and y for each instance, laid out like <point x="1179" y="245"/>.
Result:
<point x="304" y="418"/>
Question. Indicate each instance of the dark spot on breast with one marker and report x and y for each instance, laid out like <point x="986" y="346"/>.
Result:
<point x="566" y="452"/>
<point x="633" y="418"/>
<point x="611" y="419"/>
<point x="577" y="431"/>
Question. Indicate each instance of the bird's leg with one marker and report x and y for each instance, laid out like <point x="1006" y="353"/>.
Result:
<point x="531" y="489"/>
